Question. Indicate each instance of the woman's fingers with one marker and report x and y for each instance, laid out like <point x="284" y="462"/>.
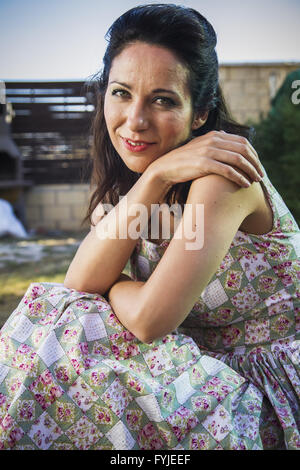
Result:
<point x="245" y="141"/>
<point x="229" y="155"/>
<point x="228" y="172"/>
<point x="242" y="146"/>
<point x="236" y="154"/>
<point x="238" y="162"/>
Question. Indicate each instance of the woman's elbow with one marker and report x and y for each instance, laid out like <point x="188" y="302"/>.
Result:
<point x="146" y="334"/>
<point x="143" y="337"/>
<point x="79" y="286"/>
<point x="140" y="331"/>
<point x="148" y="327"/>
<point x="73" y="284"/>
<point x="73" y="281"/>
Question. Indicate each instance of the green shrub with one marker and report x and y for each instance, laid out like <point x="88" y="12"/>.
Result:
<point x="277" y="142"/>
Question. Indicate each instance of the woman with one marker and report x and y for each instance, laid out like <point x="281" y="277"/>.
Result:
<point x="101" y="362"/>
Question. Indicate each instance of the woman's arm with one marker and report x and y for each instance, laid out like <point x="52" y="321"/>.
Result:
<point x="125" y="299"/>
<point x="101" y="257"/>
<point x="155" y="308"/>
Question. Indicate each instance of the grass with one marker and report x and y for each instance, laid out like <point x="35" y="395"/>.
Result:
<point x="15" y="277"/>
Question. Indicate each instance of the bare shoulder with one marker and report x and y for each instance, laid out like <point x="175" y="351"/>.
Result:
<point x="216" y="182"/>
<point x="219" y="191"/>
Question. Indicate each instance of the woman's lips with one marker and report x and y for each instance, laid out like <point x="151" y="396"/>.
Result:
<point x="136" y="145"/>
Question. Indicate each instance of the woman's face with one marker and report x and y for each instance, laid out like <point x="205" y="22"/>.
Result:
<point x="148" y="107"/>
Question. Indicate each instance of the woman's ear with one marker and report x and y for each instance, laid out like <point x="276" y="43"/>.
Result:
<point x="199" y="120"/>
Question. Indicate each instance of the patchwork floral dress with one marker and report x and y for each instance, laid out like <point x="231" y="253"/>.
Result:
<point x="72" y="377"/>
<point x="249" y="318"/>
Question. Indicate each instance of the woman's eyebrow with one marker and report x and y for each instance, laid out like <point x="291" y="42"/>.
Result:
<point x="164" y="90"/>
<point x="157" y="90"/>
<point x="120" y="83"/>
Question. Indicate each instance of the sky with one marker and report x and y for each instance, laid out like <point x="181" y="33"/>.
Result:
<point x="64" y="39"/>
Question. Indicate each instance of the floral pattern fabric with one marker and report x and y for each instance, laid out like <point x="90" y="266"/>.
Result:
<point x="72" y="377"/>
<point x="249" y="318"/>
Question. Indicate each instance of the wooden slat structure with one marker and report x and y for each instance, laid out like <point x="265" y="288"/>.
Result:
<point x="51" y="127"/>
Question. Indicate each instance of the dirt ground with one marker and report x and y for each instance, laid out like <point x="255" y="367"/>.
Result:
<point x="44" y="258"/>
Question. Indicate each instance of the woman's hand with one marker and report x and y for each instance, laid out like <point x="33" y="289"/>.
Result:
<point x="215" y="152"/>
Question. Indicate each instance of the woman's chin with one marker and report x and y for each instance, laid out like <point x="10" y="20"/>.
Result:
<point x="137" y="167"/>
<point x="140" y="162"/>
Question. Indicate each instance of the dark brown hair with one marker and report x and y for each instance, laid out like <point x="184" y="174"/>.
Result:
<point x="192" y="39"/>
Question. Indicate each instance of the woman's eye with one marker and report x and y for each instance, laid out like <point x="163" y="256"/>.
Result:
<point x="119" y="92"/>
<point x="165" y="101"/>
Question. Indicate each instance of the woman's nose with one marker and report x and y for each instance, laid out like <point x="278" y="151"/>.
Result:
<point x="137" y="118"/>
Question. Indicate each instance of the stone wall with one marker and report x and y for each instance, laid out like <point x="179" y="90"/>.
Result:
<point x="248" y="89"/>
<point x="57" y="207"/>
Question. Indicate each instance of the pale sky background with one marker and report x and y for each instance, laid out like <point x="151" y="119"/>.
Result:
<point x="64" y="39"/>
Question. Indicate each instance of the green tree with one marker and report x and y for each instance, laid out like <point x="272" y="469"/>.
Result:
<point x="277" y="142"/>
